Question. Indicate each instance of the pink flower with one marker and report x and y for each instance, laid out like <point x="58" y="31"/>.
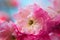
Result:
<point x="4" y="16"/>
<point x="14" y="3"/>
<point x="11" y="3"/>
<point x="31" y="23"/>
<point x="6" y="31"/>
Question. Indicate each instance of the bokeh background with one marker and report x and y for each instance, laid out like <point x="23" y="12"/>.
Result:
<point x="22" y="4"/>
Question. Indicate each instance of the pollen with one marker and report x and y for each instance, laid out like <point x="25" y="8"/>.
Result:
<point x="30" y="22"/>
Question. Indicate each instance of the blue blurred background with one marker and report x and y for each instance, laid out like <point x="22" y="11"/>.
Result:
<point x="22" y="4"/>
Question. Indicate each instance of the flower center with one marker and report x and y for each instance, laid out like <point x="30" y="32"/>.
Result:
<point x="30" y="22"/>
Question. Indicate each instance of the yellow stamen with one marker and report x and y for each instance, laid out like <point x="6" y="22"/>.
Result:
<point x="30" y="22"/>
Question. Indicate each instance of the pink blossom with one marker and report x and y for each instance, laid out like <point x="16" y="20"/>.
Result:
<point x="6" y="31"/>
<point x="31" y="23"/>
<point x="14" y="3"/>
<point x="11" y="3"/>
<point x="4" y="16"/>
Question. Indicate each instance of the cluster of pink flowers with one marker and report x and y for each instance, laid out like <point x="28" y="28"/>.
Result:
<point x="31" y="23"/>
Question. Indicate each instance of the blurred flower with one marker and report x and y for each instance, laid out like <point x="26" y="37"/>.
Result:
<point x="55" y="4"/>
<point x="11" y="3"/>
<point x="54" y="36"/>
<point x="4" y="16"/>
<point x="6" y="31"/>
<point x="54" y="9"/>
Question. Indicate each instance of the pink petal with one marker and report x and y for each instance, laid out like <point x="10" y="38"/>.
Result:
<point x="54" y="26"/>
<point x="40" y="13"/>
<point x="22" y="14"/>
<point x="53" y="36"/>
<point x="43" y="36"/>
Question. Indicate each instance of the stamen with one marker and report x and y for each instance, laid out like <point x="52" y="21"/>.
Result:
<point x="30" y="22"/>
